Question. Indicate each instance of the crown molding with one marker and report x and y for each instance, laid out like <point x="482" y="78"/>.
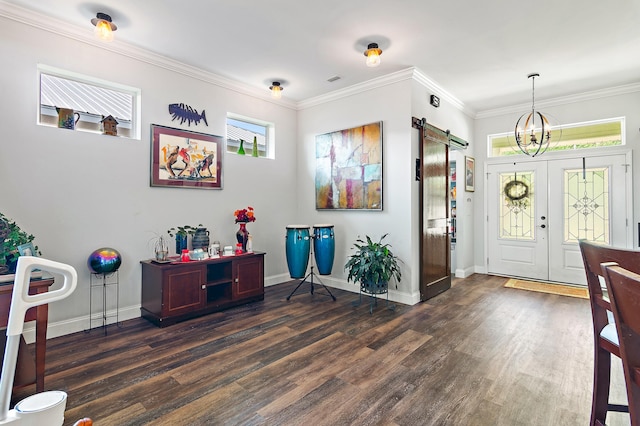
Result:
<point x="56" y="26"/>
<point x="375" y="83"/>
<point x="563" y="100"/>
<point x="411" y="73"/>
<point x="440" y="91"/>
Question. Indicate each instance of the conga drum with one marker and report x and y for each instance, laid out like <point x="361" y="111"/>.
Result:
<point x="298" y="247"/>
<point x="324" y="247"/>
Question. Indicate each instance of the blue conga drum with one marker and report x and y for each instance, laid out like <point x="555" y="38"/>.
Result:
<point x="324" y="247"/>
<point x="298" y="247"/>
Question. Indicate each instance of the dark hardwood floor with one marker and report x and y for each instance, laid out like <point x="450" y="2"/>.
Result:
<point x="478" y="354"/>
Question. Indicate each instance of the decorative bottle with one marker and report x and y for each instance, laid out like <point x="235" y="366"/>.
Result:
<point x="254" y="151"/>
<point x="241" y="148"/>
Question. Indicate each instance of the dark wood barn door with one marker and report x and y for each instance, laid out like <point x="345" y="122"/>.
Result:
<point x="435" y="245"/>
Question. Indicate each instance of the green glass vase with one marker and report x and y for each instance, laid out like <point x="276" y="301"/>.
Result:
<point x="241" y="149"/>
<point x="254" y="151"/>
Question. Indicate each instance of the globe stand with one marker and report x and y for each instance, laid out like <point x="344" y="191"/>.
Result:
<point x="310" y="275"/>
<point x="104" y="280"/>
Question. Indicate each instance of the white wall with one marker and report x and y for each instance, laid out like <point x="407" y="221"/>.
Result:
<point x="390" y="104"/>
<point x="394" y="104"/>
<point x="77" y="191"/>
<point x="565" y="112"/>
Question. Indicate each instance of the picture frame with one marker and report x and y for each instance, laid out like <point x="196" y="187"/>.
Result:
<point x="349" y="169"/>
<point x="470" y="174"/>
<point x="185" y="159"/>
<point x="27" y="249"/>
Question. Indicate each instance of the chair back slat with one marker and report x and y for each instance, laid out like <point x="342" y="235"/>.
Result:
<point x="624" y="293"/>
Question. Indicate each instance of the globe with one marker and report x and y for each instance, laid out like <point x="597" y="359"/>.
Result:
<point x="104" y="260"/>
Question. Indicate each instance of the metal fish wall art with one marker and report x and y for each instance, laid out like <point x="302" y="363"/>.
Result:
<point x="186" y="113"/>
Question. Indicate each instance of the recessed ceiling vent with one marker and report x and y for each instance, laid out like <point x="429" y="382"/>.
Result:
<point x="332" y="79"/>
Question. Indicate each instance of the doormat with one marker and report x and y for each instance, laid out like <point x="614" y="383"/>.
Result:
<point x="559" y="289"/>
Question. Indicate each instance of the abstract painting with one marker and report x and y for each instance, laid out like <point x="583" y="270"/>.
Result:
<point x="349" y="169"/>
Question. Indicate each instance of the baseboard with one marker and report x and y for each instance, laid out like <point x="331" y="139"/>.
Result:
<point x="74" y="325"/>
<point x="464" y="273"/>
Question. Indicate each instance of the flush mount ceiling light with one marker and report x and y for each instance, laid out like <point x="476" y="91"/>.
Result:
<point x="276" y="90"/>
<point x="373" y="53"/>
<point x="104" y="27"/>
<point x="533" y="131"/>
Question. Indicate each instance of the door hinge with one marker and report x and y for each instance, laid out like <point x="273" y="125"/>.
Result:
<point x="487" y="260"/>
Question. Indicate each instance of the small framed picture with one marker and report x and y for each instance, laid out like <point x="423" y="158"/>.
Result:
<point x="470" y="174"/>
<point x="27" y="250"/>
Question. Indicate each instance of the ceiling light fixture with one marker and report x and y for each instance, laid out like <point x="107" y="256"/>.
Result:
<point x="373" y="53"/>
<point x="104" y="27"/>
<point x="276" y="90"/>
<point x="533" y="131"/>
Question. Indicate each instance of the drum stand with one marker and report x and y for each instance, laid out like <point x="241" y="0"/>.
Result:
<point x="310" y="275"/>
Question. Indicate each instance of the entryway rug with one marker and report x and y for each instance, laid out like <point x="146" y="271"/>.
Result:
<point x="559" y="289"/>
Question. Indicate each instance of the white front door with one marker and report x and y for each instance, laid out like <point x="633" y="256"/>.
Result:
<point x="539" y="210"/>
<point x="517" y="197"/>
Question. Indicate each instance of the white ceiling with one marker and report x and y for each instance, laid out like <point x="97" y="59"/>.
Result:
<point x="478" y="51"/>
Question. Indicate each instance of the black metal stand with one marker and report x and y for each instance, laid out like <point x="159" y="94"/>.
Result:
<point x="310" y="275"/>
<point x="373" y="298"/>
<point x="104" y="283"/>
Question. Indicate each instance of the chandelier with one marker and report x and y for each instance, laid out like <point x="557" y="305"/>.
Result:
<point x="533" y="131"/>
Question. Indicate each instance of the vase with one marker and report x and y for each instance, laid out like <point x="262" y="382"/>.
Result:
<point x="200" y="239"/>
<point x="241" y="148"/>
<point x="181" y="242"/>
<point x="254" y="150"/>
<point x="243" y="236"/>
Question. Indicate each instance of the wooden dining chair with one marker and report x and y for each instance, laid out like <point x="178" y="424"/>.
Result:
<point x="604" y="330"/>
<point x="623" y="287"/>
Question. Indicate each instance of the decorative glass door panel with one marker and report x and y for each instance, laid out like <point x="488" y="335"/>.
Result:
<point x="586" y="205"/>
<point x="517" y="221"/>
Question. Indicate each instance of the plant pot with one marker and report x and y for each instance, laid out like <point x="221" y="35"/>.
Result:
<point x="372" y="288"/>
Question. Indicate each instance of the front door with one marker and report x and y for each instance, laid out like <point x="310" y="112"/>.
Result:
<point x="538" y="210"/>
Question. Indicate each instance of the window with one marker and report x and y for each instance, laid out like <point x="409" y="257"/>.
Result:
<point x="249" y="130"/>
<point x="91" y="105"/>
<point x="592" y="134"/>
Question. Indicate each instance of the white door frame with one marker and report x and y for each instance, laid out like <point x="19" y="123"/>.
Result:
<point x="596" y="152"/>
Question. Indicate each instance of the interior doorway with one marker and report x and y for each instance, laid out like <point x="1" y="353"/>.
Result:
<point x="538" y="210"/>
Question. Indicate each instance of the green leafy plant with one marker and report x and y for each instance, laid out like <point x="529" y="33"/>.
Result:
<point x="373" y="264"/>
<point x="183" y="230"/>
<point x="11" y="236"/>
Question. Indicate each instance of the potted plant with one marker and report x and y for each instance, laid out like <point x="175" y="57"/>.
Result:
<point x="373" y="265"/>
<point x="182" y="234"/>
<point x="11" y="236"/>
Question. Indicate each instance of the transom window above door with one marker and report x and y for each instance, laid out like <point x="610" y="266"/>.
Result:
<point x="586" y="135"/>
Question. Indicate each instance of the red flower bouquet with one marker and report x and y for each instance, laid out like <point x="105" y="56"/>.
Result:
<point x="245" y="215"/>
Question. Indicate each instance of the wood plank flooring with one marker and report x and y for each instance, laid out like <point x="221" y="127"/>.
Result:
<point x="478" y="354"/>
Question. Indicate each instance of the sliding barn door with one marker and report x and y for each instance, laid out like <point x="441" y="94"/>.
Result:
<point x="435" y="245"/>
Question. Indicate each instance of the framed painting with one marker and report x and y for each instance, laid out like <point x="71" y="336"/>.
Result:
<point x="470" y="174"/>
<point x="185" y="159"/>
<point x="349" y="169"/>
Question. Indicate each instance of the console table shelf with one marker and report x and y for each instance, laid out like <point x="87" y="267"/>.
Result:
<point x="176" y="291"/>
